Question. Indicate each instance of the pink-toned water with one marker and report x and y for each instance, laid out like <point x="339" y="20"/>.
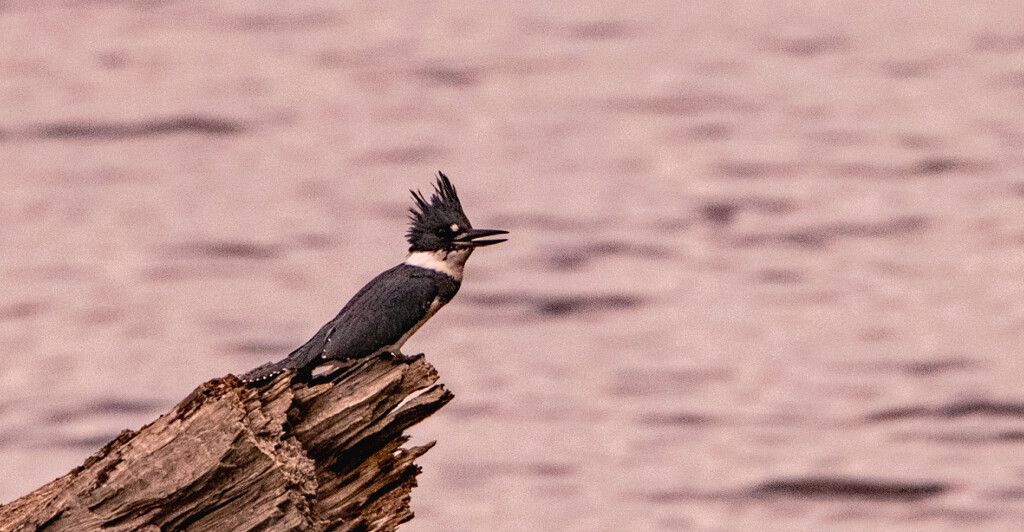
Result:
<point x="758" y="249"/>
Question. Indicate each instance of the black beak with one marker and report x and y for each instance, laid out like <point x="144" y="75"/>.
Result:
<point x="473" y="234"/>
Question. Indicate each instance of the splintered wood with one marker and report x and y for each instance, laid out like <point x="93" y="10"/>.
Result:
<point x="305" y="457"/>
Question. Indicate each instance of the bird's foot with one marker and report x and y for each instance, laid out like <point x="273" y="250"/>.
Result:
<point x="405" y="358"/>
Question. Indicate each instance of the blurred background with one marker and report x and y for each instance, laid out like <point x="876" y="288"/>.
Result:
<point x="764" y="271"/>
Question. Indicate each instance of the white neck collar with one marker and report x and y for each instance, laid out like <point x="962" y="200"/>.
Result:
<point x="449" y="263"/>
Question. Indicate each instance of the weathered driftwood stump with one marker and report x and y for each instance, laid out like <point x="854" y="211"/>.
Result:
<point x="320" y="456"/>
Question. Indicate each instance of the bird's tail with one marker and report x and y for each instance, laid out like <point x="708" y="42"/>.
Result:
<point x="267" y="372"/>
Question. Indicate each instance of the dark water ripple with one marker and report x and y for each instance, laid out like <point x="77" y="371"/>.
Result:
<point x="646" y="383"/>
<point x="933" y="367"/>
<point x="292" y="22"/>
<point x="676" y="419"/>
<point x="22" y="310"/>
<point x="556" y="305"/>
<point x="256" y="347"/>
<point x="999" y="42"/>
<point x="199" y="125"/>
<point x="553" y="222"/>
<point x="742" y="169"/>
<point x="575" y="257"/>
<point x="684" y="104"/>
<point x="236" y="249"/>
<point x="820" y="237"/>
<point x="602" y="30"/>
<point x="450" y="76"/>
<point x="820" y="488"/>
<point x="844" y="488"/>
<point x="932" y="166"/>
<point x="780" y="276"/>
<point x="806" y="46"/>
<point x="107" y="407"/>
<point x="724" y="211"/>
<point x="484" y="471"/>
<point x="973" y="437"/>
<point x="982" y="407"/>
<point x="402" y="156"/>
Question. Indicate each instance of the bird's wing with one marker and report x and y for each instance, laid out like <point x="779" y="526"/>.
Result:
<point x="379" y="314"/>
<point x="388" y="307"/>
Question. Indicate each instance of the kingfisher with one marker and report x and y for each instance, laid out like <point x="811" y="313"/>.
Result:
<point x="382" y="315"/>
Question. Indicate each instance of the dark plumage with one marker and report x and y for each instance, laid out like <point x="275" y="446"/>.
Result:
<point x="356" y="333"/>
<point x="392" y="306"/>
<point x="431" y="223"/>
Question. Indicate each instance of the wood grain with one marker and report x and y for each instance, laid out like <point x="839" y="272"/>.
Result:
<point x="287" y="456"/>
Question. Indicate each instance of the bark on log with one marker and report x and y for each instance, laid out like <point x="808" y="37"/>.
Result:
<point x="304" y="456"/>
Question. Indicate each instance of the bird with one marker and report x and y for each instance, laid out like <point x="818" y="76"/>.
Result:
<point x="382" y="315"/>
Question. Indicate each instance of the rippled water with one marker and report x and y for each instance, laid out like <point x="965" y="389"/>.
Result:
<point x="764" y="272"/>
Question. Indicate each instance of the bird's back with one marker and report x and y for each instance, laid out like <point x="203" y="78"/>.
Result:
<point x="379" y="315"/>
<point x="385" y="309"/>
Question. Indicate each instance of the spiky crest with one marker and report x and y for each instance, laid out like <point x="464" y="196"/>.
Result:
<point x="431" y="221"/>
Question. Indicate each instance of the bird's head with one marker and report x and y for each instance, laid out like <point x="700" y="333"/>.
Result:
<point x="441" y="225"/>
